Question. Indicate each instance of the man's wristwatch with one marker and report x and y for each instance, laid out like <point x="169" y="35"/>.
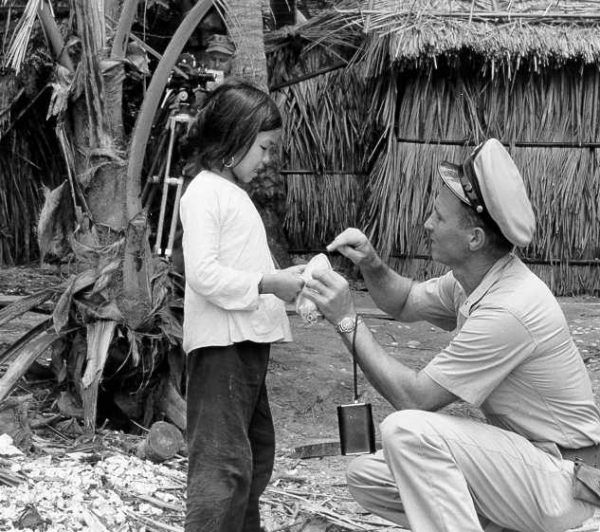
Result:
<point x="348" y="324"/>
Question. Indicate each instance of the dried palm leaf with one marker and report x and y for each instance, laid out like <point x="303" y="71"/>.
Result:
<point x="22" y="35"/>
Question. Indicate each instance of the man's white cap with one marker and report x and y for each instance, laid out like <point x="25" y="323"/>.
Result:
<point x="490" y="182"/>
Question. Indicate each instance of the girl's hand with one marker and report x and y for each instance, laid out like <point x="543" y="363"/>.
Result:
<point x="298" y="268"/>
<point x="285" y="284"/>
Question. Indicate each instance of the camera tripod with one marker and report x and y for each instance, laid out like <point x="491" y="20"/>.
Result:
<point x="178" y="102"/>
<point x="161" y="170"/>
<point x="173" y="125"/>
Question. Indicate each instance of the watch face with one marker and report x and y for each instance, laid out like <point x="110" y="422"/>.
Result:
<point x="346" y="325"/>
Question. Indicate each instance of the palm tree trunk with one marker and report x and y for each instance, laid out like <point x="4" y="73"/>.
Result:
<point x="244" y="20"/>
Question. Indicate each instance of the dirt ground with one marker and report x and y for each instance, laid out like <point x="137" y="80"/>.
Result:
<point x="308" y="379"/>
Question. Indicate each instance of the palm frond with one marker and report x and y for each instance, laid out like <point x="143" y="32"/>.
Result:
<point x="22" y="35"/>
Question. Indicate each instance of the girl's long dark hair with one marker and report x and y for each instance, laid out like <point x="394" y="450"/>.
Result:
<point x="227" y="124"/>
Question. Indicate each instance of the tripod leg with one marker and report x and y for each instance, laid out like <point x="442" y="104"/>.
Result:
<point x="174" y="218"/>
<point x="166" y="182"/>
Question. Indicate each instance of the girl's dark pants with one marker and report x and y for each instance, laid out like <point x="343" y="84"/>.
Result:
<point x="231" y="439"/>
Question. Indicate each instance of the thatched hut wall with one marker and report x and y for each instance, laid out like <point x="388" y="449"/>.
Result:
<point x="549" y="121"/>
<point x="326" y="156"/>
<point x="445" y="76"/>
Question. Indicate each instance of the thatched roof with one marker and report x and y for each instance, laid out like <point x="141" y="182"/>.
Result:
<point x="432" y="78"/>
<point x="408" y="32"/>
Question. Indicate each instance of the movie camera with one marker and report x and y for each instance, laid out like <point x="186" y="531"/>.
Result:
<point x="189" y="75"/>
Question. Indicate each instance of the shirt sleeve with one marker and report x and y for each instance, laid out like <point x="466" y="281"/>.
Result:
<point x="434" y="301"/>
<point x="491" y="343"/>
<point x="203" y="217"/>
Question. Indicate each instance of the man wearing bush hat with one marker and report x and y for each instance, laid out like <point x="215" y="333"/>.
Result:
<point x="512" y="357"/>
<point x="220" y="52"/>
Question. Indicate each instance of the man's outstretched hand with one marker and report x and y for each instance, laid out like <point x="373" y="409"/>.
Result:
<point x="353" y="244"/>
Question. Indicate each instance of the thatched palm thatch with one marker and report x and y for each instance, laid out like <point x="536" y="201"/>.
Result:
<point x="322" y="141"/>
<point x="445" y="75"/>
<point x="548" y="30"/>
<point x="27" y="164"/>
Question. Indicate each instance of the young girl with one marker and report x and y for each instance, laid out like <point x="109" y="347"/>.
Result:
<point x="234" y="309"/>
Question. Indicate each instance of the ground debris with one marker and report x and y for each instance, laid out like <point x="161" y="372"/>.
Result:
<point x="98" y="484"/>
<point x="312" y="496"/>
<point x="98" y="487"/>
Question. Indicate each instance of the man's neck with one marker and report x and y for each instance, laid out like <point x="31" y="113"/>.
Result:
<point x="471" y="273"/>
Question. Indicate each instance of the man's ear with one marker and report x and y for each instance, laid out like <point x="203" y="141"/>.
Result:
<point x="477" y="239"/>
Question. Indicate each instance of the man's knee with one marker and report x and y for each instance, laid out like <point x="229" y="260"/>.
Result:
<point x="360" y="481"/>
<point x="403" y="426"/>
<point x="358" y="471"/>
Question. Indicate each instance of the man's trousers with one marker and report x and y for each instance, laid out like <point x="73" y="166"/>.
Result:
<point x="442" y="473"/>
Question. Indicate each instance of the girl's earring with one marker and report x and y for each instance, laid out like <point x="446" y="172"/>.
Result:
<point x="229" y="164"/>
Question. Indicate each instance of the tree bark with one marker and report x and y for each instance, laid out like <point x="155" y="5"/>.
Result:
<point x="245" y="24"/>
<point x="101" y="170"/>
<point x="163" y="441"/>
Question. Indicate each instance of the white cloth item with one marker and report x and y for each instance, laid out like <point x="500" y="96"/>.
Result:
<point x="226" y="253"/>
<point x="455" y="474"/>
<point x="306" y="308"/>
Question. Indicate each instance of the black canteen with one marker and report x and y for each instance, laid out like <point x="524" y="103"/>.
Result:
<point x="357" y="433"/>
